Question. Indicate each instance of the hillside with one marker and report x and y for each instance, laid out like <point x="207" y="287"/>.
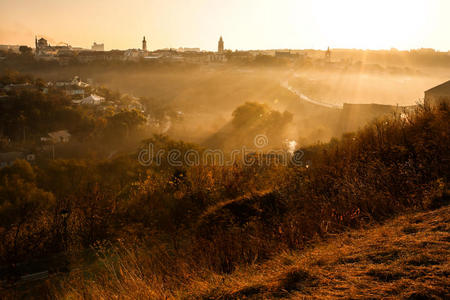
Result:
<point x="215" y="231"/>
<point x="404" y="258"/>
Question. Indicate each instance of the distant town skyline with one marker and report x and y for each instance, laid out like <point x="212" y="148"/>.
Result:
<point x="244" y="25"/>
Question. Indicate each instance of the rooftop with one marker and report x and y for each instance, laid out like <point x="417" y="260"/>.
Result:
<point x="442" y="88"/>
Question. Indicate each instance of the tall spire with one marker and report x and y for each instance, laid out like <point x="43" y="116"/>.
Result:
<point x="220" y="46"/>
<point x="144" y="44"/>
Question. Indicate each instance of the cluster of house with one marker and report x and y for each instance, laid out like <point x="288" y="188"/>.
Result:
<point x="64" y="54"/>
<point x="75" y="88"/>
<point x="81" y="93"/>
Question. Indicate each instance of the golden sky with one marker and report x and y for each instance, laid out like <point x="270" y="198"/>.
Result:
<point x="244" y="24"/>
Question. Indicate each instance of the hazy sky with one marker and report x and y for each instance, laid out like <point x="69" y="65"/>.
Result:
<point x="244" y="24"/>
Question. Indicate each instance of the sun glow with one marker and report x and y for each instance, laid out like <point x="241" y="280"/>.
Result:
<point x="370" y="25"/>
<point x="244" y="25"/>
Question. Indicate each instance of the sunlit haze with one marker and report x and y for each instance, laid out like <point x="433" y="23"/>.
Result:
<point x="249" y="24"/>
<point x="232" y="149"/>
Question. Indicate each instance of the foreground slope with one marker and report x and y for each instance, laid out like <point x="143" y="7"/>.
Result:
<point x="407" y="257"/>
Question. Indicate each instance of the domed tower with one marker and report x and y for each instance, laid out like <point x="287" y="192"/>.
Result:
<point x="220" y="46"/>
<point x="41" y="45"/>
<point x="144" y="44"/>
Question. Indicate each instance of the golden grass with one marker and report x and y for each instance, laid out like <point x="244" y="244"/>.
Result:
<point x="405" y="258"/>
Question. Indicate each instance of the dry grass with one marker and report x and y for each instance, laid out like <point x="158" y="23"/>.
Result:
<point x="404" y="258"/>
<point x="213" y="234"/>
<point x="232" y="249"/>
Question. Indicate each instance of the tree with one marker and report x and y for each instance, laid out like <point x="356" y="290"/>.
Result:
<point x="248" y="113"/>
<point x="125" y="122"/>
<point x="252" y="119"/>
<point x="25" y="50"/>
<point x="21" y="202"/>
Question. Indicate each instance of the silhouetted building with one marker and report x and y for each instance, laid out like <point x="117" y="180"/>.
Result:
<point x="41" y="43"/>
<point x="98" y="47"/>
<point x="220" y="46"/>
<point x="74" y="88"/>
<point x="438" y="95"/>
<point x="144" y="44"/>
<point x="41" y="46"/>
<point x="186" y="49"/>
<point x="285" y="54"/>
<point x="44" y="51"/>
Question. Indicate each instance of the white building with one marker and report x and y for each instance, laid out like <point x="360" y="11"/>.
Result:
<point x="91" y="100"/>
<point x="98" y="47"/>
<point x="61" y="136"/>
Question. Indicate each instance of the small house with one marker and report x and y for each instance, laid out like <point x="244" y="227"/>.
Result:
<point x="438" y="95"/>
<point x="61" y="136"/>
<point x="91" y="100"/>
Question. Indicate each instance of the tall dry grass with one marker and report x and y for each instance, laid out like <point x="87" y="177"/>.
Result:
<point x="392" y="165"/>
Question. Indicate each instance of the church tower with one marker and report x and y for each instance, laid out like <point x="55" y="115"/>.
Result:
<point x="220" y="46"/>
<point x="144" y="44"/>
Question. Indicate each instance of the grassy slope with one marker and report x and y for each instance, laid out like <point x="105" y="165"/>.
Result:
<point x="407" y="257"/>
